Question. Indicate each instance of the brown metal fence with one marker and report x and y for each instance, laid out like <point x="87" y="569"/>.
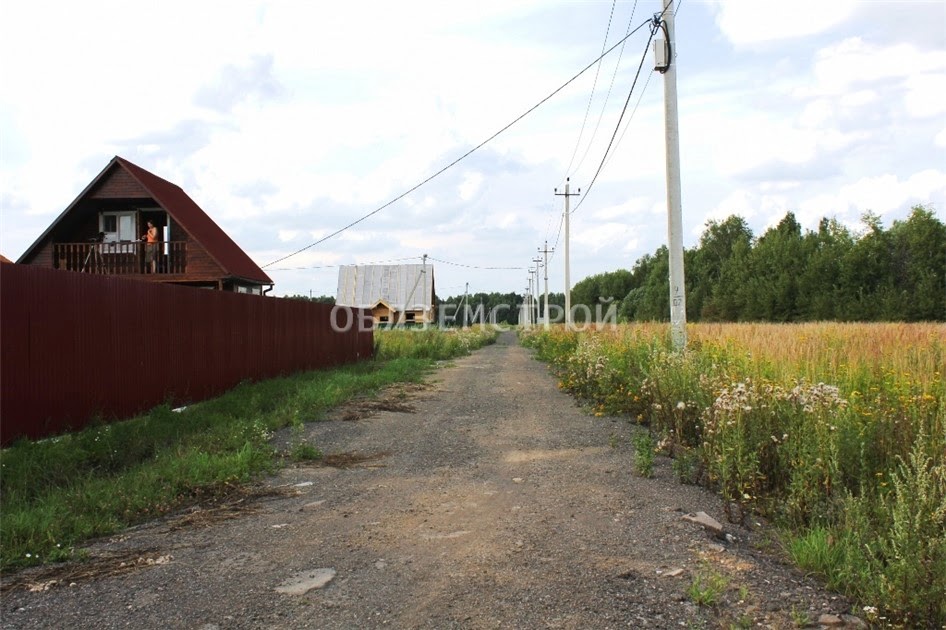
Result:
<point x="77" y="347"/>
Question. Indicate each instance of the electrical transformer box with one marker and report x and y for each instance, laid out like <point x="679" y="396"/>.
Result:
<point x="661" y="61"/>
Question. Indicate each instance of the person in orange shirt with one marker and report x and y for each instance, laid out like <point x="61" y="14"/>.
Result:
<point x="151" y="248"/>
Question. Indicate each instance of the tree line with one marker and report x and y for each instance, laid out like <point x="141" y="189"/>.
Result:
<point x="785" y="275"/>
<point x="791" y="275"/>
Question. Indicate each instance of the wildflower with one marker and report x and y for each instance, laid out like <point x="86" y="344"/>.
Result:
<point x="681" y="405"/>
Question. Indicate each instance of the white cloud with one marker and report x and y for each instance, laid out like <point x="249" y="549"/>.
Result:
<point x="940" y="139"/>
<point x="745" y="22"/>
<point x="843" y="67"/>
<point x="598" y="236"/>
<point x="924" y="97"/>
<point x="470" y="185"/>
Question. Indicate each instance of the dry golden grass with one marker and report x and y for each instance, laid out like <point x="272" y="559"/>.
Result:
<point x="837" y="352"/>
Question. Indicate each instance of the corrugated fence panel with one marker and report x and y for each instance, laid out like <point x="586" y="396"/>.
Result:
<point x="76" y="347"/>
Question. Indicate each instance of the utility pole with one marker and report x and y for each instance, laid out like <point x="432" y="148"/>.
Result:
<point x="545" y="266"/>
<point x="424" y="271"/>
<point x="535" y="290"/>
<point x="568" y="288"/>
<point x="531" y="276"/>
<point x="525" y="307"/>
<point x="466" y="291"/>
<point x="678" y="309"/>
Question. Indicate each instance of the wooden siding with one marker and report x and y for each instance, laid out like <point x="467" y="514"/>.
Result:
<point x="119" y="184"/>
<point x="77" y="346"/>
<point x="200" y="264"/>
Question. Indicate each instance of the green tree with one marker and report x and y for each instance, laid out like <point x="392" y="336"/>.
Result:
<point x="721" y="253"/>
<point x="775" y="264"/>
<point x="865" y="274"/>
<point x="600" y="289"/>
<point x="321" y="299"/>
<point x="918" y="267"/>
<point x="819" y="285"/>
<point x="649" y="300"/>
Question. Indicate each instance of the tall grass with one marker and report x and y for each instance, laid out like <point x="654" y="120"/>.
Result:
<point x="836" y="431"/>
<point x="58" y="492"/>
<point x="431" y="343"/>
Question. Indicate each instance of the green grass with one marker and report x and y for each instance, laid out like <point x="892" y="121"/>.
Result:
<point x="644" y="446"/>
<point x="60" y="492"/>
<point x="707" y="587"/>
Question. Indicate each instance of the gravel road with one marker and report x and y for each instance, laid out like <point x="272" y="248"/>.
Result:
<point x="484" y="499"/>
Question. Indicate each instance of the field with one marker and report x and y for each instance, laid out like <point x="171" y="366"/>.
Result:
<point x="834" y="432"/>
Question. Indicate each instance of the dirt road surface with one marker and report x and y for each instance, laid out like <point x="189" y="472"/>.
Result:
<point x="485" y="499"/>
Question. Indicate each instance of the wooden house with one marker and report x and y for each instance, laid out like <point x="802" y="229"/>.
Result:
<point x="395" y="294"/>
<point x="101" y="232"/>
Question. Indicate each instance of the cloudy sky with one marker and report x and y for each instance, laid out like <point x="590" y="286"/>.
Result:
<point x="287" y="121"/>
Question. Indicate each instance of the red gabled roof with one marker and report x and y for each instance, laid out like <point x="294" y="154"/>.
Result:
<point x="233" y="260"/>
<point x="195" y="221"/>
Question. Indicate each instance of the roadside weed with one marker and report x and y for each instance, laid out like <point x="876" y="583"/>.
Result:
<point x="707" y="587"/>
<point x="835" y="432"/>
<point x="644" y="446"/>
<point x="300" y="450"/>
<point x="800" y="618"/>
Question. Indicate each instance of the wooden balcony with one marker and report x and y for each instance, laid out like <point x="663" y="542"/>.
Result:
<point x="121" y="257"/>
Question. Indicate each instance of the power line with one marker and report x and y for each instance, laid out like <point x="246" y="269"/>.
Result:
<point x="455" y="264"/>
<point x="604" y="105"/>
<point x="621" y="117"/>
<point x="631" y="117"/>
<point x="376" y="262"/>
<point x="459" y="159"/>
<point x="643" y="58"/>
<point x="594" y="86"/>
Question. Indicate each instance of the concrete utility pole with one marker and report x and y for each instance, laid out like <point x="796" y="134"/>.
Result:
<point x="466" y="292"/>
<point x="424" y="271"/>
<point x="535" y="291"/>
<point x="545" y="265"/>
<point x="531" y="285"/>
<point x="678" y="307"/>
<point x="525" y="306"/>
<point x="568" y="288"/>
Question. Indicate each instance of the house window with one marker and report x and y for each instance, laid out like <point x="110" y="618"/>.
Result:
<point x="383" y="319"/>
<point x="410" y="317"/>
<point x="117" y="227"/>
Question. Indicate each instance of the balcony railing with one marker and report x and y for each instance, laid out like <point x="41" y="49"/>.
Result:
<point x="122" y="257"/>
